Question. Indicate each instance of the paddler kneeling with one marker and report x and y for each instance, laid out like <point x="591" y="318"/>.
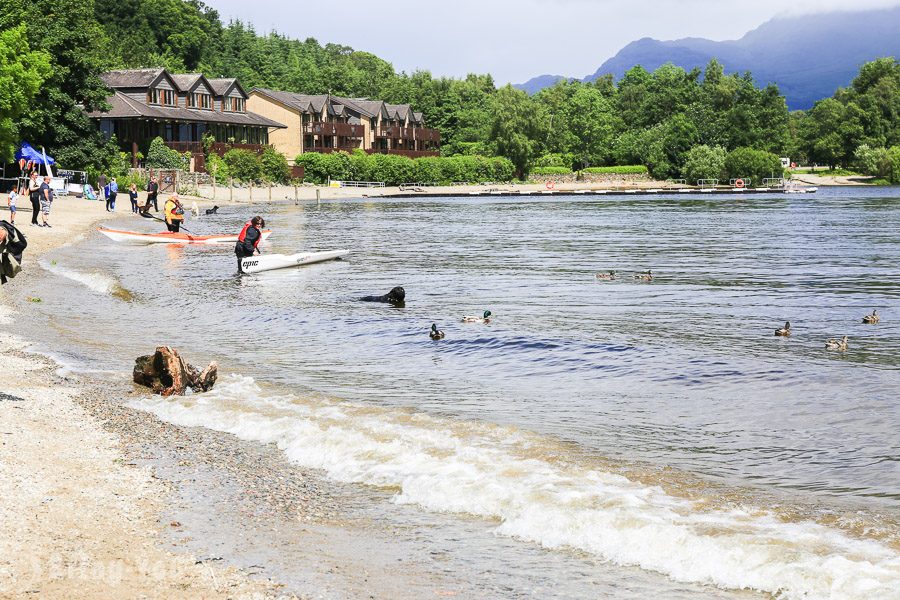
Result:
<point x="174" y="213"/>
<point x="249" y="239"/>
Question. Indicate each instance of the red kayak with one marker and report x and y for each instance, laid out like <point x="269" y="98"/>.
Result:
<point x="168" y="237"/>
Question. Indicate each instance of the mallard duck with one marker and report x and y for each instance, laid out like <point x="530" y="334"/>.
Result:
<point x="436" y="334"/>
<point x="607" y="276"/>
<point x="872" y="319"/>
<point x="784" y="331"/>
<point x="837" y="344"/>
<point x="486" y="318"/>
<point x="648" y="276"/>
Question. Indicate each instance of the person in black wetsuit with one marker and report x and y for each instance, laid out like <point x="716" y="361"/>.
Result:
<point x="249" y="239"/>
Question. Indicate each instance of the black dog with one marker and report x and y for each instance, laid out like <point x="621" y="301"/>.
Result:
<point x="395" y="296"/>
<point x="212" y="211"/>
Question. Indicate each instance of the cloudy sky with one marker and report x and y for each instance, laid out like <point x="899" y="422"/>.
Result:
<point x="513" y="39"/>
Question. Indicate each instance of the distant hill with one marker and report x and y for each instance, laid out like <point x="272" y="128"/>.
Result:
<point x="536" y="84"/>
<point x="809" y="56"/>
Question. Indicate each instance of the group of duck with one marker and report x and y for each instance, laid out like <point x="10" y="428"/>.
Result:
<point x="437" y="334"/>
<point x="613" y="275"/>
<point x="842" y="344"/>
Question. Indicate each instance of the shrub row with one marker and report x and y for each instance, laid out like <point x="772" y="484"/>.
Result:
<point x="394" y="169"/>
<point x="551" y="171"/>
<point x="620" y="170"/>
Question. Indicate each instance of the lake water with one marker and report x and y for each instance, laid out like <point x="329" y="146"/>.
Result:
<point x="620" y="424"/>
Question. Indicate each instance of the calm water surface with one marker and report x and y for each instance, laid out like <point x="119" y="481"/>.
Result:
<point x="678" y="383"/>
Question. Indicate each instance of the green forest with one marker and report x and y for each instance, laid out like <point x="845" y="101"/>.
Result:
<point x="678" y="124"/>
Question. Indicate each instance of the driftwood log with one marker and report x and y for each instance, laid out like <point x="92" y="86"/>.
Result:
<point x="167" y="374"/>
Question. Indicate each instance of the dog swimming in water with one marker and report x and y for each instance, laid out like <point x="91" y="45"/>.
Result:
<point x="395" y="296"/>
<point x="212" y="211"/>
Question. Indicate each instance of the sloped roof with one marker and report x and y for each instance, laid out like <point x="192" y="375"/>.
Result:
<point x="129" y="78"/>
<point x="220" y="86"/>
<point x="417" y="117"/>
<point x="124" y="107"/>
<point x="364" y="108"/>
<point x="301" y="102"/>
<point x="402" y="110"/>
<point x="185" y="81"/>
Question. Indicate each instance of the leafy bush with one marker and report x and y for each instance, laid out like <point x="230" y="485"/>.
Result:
<point x="275" y="165"/>
<point x="873" y="161"/>
<point x="216" y="166"/>
<point x="704" y="162"/>
<point x="753" y="164"/>
<point x="894" y="157"/>
<point x="160" y="156"/>
<point x="620" y="170"/>
<point x="554" y="160"/>
<point x="551" y="171"/>
<point x="243" y="164"/>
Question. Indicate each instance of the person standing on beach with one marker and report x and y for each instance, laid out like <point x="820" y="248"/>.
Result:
<point x="11" y="202"/>
<point x="132" y="195"/>
<point x="46" y="200"/>
<point x="34" y="194"/>
<point x="249" y="239"/>
<point x="152" y="191"/>
<point x="174" y="213"/>
<point x="101" y="183"/>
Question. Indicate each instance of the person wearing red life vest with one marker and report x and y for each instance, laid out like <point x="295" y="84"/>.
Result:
<point x="249" y="239"/>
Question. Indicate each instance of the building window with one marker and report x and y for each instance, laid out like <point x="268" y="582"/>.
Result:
<point x="162" y="97"/>
<point x="234" y="104"/>
<point x="200" y="100"/>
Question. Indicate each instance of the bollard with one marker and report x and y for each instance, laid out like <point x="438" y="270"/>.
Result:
<point x="318" y="196"/>
<point x="296" y="200"/>
<point x="251" y="191"/>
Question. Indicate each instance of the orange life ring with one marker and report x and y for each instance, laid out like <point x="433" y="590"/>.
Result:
<point x="739" y="183"/>
<point x="550" y="185"/>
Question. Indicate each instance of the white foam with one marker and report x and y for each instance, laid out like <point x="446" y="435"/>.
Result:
<point x="98" y="282"/>
<point x="496" y="472"/>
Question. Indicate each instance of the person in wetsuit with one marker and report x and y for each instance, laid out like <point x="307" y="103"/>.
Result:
<point x="249" y="239"/>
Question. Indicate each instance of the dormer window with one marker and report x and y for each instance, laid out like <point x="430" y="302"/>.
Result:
<point x="162" y="97"/>
<point x="233" y="104"/>
<point x="200" y="100"/>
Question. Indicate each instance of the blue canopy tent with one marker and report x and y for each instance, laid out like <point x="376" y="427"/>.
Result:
<point x="28" y="153"/>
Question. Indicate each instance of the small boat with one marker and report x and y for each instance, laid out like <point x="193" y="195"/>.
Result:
<point x="168" y="237"/>
<point x="271" y="262"/>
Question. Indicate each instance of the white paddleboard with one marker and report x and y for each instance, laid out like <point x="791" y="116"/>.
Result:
<point x="270" y="262"/>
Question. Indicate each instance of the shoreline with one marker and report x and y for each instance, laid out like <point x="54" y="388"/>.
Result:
<point x="156" y="510"/>
<point x="79" y="518"/>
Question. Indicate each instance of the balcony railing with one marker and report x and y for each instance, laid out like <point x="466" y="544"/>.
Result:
<point x="424" y="134"/>
<point x="341" y="129"/>
<point x="407" y="153"/>
<point x="396" y="132"/>
<point x="329" y="150"/>
<point x="219" y="148"/>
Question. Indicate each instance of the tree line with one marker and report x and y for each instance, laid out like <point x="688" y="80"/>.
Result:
<point x="675" y="122"/>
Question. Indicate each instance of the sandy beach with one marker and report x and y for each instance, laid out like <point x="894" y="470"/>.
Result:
<point x="105" y="501"/>
<point x="78" y="518"/>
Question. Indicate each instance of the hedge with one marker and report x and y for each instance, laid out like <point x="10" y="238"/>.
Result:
<point x="551" y="171"/>
<point x="394" y="169"/>
<point x="620" y="170"/>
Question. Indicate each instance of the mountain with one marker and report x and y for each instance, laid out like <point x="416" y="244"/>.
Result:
<point x="536" y="84"/>
<point x="807" y="56"/>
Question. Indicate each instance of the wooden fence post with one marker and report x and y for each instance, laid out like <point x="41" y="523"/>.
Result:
<point x="231" y="188"/>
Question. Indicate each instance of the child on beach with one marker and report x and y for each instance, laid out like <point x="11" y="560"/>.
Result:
<point x="11" y="202"/>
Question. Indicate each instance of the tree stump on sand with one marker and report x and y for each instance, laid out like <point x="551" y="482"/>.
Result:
<point x="167" y="374"/>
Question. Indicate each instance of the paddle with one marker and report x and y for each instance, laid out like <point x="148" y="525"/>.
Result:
<point x="147" y="215"/>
